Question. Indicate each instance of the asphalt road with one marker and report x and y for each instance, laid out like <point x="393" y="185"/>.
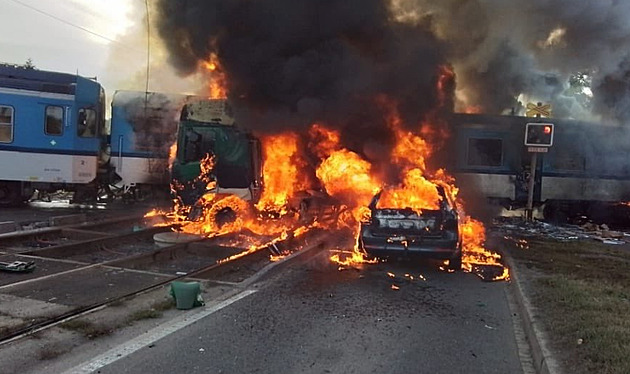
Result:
<point x="313" y="318"/>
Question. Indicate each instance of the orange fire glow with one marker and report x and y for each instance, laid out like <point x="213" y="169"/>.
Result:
<point x="473" y="109"/>
<point x="172" y="154"/>
<point x="446" y="76"/>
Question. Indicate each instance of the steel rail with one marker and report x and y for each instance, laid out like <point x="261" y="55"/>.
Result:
<point x="83" y="310"/>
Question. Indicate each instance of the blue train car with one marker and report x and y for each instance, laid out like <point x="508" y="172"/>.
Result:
<point x="52" y="132"/>
<point x="143" y="128"/>
<point x="586" y="168"/>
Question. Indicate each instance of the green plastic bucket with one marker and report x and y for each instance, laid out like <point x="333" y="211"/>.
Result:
<point x="187" y="295"/>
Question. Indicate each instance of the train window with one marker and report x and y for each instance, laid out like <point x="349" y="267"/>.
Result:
<point x="87" y="123"/>
<point x="485" y="152"/>
<point x="568" y="161"/>
<point x="6" y="124"/>
<point x="54" y="120"/>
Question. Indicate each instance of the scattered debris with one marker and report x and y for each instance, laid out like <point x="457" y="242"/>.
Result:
<point x="511" y="226"/>
<point x="18" y="266"/>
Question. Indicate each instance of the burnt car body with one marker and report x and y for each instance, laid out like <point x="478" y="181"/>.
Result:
<point x="405" y="233"/>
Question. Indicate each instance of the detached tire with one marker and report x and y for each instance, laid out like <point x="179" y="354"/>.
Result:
<point x="225" y="216"/>
<point x="10" y="194"/>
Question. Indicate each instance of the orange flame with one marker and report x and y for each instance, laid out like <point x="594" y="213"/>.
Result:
<point x="345" y="175"/>
<point x="474" y="253"/>
<point x="172" y="154"/>
<point x="280" y="172"/>
<point x="323" y="140"/>
<point x="416" y="193"/>
<point x="218" y="80"/>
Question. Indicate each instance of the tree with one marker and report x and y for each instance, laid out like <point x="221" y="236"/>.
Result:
<point x="29" y="64"/>
<point x="580" y="88"/>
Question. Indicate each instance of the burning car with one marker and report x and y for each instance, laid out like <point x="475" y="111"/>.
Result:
<point x="395" y="232"/>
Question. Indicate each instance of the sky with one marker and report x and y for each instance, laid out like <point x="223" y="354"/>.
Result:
<point x="105" y="39"/>
<point x="61" y="43"/>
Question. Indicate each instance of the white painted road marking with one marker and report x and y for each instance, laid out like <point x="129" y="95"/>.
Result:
<point x="152" y="336"/>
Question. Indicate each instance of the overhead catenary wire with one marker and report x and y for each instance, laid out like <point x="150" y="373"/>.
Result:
<point x="73" y="25"/>
<point x="146" y="87"/>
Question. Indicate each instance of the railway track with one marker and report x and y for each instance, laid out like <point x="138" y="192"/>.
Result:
<point x="82" y="270"/>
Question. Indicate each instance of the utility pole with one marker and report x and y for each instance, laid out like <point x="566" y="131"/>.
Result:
<point x="529" y="212"/>
<point x="538" y="139"/>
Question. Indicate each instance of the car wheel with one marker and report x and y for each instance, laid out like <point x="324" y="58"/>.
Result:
<point x="456" y="262"/>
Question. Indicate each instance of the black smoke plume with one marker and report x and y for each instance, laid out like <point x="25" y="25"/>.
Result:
<point x="292" y="63"/>
<point x="153" y="118"/>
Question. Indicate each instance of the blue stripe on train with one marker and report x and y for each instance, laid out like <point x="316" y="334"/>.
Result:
<point x="140" y="155"/>
<point x="70" y="152"/>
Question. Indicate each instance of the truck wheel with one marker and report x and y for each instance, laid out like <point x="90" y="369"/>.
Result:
<point x="10" y="194"/>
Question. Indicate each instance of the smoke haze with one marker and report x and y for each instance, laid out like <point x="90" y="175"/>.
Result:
<point x="505" y="48"/>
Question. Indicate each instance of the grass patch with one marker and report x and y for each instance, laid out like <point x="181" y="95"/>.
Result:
<point x="163" y="305"/>
<point x="88" y="329"/>
<point x="590" y="319"/>
<point x="155" y="311"/>
<point x="582" y="293"/>
<point x="143" y="314"/>
<point x="50" y="353"/>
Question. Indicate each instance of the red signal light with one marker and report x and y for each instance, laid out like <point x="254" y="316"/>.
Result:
<point x="539" y="134"/>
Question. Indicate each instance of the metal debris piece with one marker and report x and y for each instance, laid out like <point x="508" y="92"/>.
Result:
<point x="273" y="248"/>
<point x="512" y="226"/>
<point x="18" y="266"/>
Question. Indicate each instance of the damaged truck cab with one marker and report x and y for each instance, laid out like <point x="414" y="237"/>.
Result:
<point x="207" y="128"/>
<point x="407" y="233"/>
